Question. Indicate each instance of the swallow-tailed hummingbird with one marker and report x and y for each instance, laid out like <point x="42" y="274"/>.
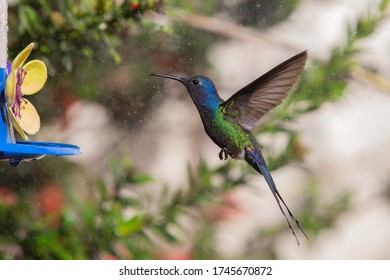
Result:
<point x="229" y="123"/>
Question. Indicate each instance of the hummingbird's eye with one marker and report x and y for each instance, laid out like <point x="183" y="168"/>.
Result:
<point x="195" y="82"/>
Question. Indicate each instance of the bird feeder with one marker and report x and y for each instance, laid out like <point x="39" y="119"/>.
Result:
<point x="12" y="150"/>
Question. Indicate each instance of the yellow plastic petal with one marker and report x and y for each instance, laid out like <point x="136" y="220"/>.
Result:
<point x="35" y="78"/>
<point x="29" y="119"/>
<point x="22" y="56"/>
<point x="15" y="124"/>
<point x="10" y="88"/>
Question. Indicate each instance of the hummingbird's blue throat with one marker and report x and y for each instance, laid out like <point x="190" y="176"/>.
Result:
<point x="211" y="98"/>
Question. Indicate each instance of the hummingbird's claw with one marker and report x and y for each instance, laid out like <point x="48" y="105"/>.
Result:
<point x="223" y="154"/>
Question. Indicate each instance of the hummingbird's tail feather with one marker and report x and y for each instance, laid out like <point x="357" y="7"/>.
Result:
<point x="254" y="158"/>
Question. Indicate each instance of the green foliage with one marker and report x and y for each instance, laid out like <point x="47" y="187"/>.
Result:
<point x="327" y="214"/>
<point x="131" y="215"/>
<point x="204" y="7"/>
<point x="119" y="221"/>
<point x="74" y="29"/>
<point x="294" y="152"/>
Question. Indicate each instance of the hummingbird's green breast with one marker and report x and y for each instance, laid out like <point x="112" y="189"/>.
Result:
<point x="229" y="134"/>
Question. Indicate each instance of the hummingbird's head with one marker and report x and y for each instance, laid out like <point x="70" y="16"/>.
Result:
<point x="201" y="89"/>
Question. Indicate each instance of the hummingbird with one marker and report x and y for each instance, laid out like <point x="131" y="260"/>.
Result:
<point x="229" y="123"/>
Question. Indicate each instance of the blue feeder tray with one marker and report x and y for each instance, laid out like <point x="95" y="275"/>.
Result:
<point x="16" y="151"/>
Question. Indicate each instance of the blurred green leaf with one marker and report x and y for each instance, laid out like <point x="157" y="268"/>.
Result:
<point x="132" y="225"/>
<point x="164" y="233"/>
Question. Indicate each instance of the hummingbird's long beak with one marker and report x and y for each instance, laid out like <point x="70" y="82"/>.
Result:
<point x="169" y="77"/>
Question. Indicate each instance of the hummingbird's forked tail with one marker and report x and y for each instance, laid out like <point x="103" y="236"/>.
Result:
<point x="255" y="159"/>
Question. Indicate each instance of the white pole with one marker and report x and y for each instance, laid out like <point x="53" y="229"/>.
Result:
<point x="3" y="33"/>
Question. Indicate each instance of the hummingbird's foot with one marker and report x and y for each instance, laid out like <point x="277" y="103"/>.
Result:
<point x="223" y="154"/>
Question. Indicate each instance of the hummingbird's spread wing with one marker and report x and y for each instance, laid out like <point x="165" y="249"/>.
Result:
<point x="251" y="102"/>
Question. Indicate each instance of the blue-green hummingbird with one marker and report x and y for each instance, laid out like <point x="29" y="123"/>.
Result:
<point x="229" y="123"/>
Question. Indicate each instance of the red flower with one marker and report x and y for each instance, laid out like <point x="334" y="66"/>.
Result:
<point x="51" y="202"/>
<point x="228" y="210"/>
<point x="107" y="256"/>
<point x="134" y="6"/>
<point x="175" y="256"/>
<point x="7" y="196"/>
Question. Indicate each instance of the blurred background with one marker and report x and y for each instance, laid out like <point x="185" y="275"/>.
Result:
<point x="149" y="183"/>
